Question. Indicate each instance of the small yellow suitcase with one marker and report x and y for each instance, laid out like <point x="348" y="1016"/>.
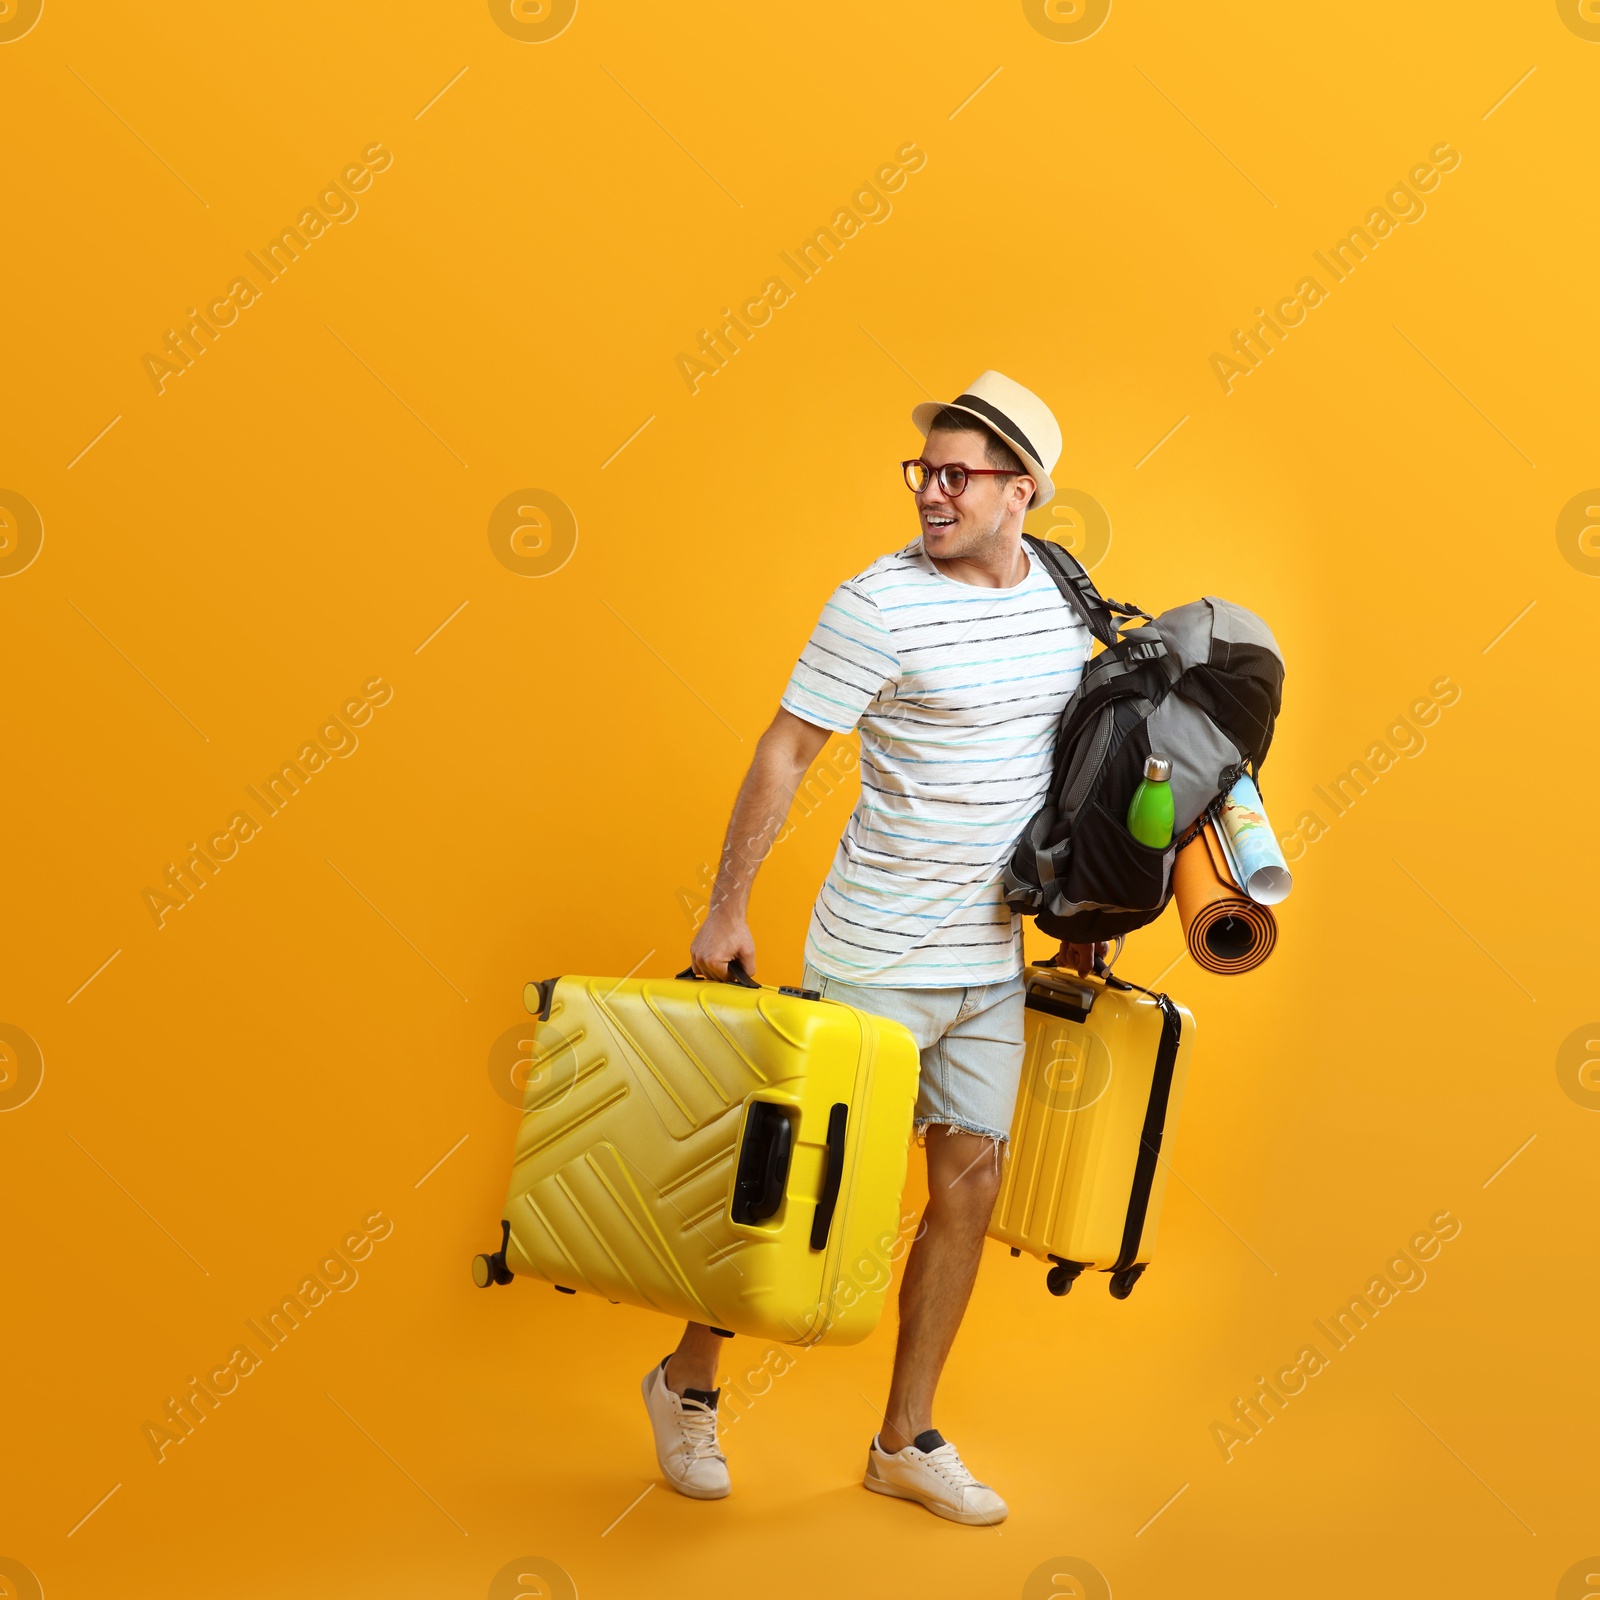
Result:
<point x="720" y="1152"/>
<point x="1102" y="1083"/>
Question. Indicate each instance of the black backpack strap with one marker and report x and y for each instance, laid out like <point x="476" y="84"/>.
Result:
<point x="1077" y="588"/>
<point x="1076" y="585"/>
<point x="1084" y="773"/>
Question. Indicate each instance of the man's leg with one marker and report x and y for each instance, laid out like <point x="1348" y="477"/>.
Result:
<point x="963" y="1180"/>
<point x="680" y="1395"/>
<point x="693" y="1365"/>
<point x="965" y="1100"/>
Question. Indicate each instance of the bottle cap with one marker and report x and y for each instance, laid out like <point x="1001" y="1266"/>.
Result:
<point x="1157" y="769"/>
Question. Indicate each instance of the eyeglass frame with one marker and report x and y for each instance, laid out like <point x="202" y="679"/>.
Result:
<point x="969" y="472"/>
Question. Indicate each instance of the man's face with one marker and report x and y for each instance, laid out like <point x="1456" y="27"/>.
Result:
<point x="968" y="525"/>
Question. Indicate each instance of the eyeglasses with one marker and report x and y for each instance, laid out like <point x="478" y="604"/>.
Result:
<point x="952" y="475"/>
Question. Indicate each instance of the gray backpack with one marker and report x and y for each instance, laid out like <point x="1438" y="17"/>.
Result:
<point x="1201" y="685"/>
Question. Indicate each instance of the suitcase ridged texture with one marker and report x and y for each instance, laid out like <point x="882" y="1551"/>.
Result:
<point x="636" y="1102"/>
<point x="1088" y="1071"/>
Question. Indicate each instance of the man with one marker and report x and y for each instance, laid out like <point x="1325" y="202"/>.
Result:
<point x="954" y="657"/>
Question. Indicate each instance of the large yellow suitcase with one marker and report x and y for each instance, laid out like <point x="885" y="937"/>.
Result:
<point x="1102" y="1083"/>
<point x="720" y="1152"/>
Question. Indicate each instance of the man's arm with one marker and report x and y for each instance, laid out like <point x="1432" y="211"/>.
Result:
<point x="783" y="756"/>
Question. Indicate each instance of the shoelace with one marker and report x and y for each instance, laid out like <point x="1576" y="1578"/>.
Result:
<point x="952" y="1468"/>
<point x="698" y="1424"/>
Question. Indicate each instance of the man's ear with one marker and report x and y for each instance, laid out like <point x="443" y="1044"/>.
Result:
<point x="1029" y="487"/>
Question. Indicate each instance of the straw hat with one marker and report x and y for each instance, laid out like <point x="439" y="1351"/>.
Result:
<point x="1017" y="415"/>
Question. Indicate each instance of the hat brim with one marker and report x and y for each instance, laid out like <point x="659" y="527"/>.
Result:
<point x="1044" y="490"/>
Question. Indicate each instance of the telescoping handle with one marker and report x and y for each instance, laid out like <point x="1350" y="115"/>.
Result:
<point x="736" y="975"/>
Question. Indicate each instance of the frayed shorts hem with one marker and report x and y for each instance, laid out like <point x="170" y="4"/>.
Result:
<point x="956" y="1125"/>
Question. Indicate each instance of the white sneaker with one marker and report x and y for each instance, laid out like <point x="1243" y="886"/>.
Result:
<point x="931" y="1473"/>
<point x="686" y="1439"/>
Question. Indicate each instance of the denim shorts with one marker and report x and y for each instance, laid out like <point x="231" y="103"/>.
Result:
<point x="971" y="1045"/>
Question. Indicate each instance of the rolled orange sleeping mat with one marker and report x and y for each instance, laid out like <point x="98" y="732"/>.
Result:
<point x="1226" y="931"/>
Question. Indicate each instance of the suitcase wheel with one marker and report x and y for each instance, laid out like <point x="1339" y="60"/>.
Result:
<point x="1122" y="1282"/>
<point x="488" y="1270"/>
<point x="1061" y="1277"/>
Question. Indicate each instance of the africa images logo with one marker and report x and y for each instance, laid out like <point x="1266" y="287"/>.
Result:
<point x="336" y="203"/>
<point x="1577" y="533"/>
<point x="335" y="739"/>
<point x="1067" y="21"/>
<point x="869" y="203"/>
<point x="21" y="530"/>
<point x="533" y="532"/>
<point x="533" y="21"/>
<point x="17" y="18"/>
<point x="1403" y="203"/>
<point x="1077" y="522"/>
<point x="21" y="1071"/>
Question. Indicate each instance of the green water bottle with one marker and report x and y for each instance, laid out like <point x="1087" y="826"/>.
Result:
<point x="1150" y="811"/>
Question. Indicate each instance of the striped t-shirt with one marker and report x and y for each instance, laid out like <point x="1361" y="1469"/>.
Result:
<point x="957" y="691"/>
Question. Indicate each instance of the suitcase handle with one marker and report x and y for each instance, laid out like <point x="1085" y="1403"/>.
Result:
<point x="1102" y="968"/>
<point x="838" y="1117"/>
<point x="736" y="976"/>
<point x="763" y="1167"/>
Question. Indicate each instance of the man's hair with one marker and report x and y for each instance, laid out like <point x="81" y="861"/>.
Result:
<point x="1000" y="454"/>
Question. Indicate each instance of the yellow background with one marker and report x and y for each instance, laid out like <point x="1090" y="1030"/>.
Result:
<point x="302" y="509"/>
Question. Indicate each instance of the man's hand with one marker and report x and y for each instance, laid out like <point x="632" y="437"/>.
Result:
<point x="1082" y="957"/>
<point x="723" y="936"/>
